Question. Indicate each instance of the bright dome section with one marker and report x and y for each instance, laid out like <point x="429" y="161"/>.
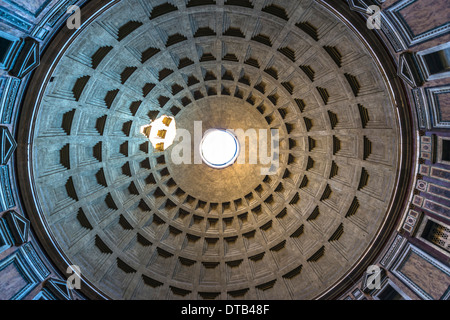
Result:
<point x="219" y="148"/>
<point x="161" y="132"/>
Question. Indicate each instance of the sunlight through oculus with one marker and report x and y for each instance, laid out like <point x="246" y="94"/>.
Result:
<point x="219" y="148"/>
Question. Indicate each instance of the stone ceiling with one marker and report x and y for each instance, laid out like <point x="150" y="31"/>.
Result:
<point x="141" y="227"/>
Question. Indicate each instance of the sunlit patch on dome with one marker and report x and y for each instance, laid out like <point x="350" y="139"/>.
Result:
<point x="219" y="148"/>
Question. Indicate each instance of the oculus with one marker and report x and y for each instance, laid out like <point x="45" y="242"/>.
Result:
<point x="219" y="148"/>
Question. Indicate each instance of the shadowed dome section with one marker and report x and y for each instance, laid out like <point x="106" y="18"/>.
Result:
<point x="142" y="227"/>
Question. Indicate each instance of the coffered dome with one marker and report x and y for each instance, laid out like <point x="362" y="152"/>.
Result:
<point x="140" y="226"/>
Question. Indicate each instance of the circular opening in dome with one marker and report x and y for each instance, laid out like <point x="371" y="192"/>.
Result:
<point x="219" y="148"/>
